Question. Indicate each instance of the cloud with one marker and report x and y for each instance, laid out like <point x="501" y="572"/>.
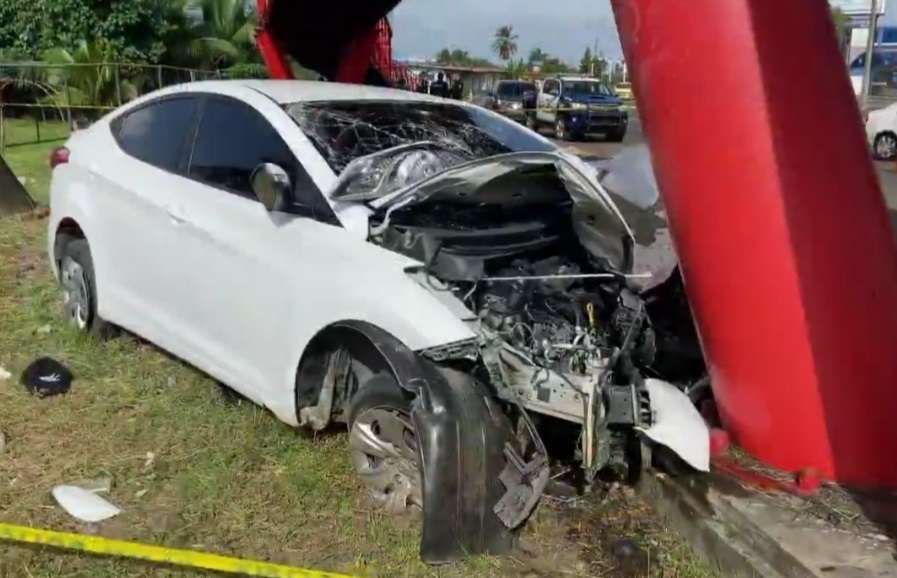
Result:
<point x="423" y="27"/>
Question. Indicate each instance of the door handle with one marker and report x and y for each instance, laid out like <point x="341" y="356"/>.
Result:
<point x="176" y="215"/>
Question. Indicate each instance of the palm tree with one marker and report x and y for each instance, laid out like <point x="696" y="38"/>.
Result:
<point x="504" y="42"/>
<point x="86" y="76"/>
<point x="225" y="34"/>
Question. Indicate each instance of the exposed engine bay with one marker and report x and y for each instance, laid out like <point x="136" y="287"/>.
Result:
<point x="545" y="277"/>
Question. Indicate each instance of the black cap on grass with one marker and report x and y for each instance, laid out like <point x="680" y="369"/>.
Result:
<point x="46" y="376"/>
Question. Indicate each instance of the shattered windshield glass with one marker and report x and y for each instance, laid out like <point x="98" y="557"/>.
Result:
<point x="343" y="131"/>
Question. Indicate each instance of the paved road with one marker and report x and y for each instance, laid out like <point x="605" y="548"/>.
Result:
<point x="887" y="172"/>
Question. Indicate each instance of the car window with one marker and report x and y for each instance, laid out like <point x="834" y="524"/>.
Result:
<point x="514" y="88"/>
<point x="587" y="88"/>
<point x="232" y="140"/>
<point x="550" y="86"/>
<point x="155" y="133"/>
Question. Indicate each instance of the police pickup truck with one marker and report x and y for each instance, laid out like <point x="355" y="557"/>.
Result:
<point x="579" y="106"/>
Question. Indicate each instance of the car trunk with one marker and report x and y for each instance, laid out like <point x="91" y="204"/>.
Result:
<point x="321" y="43"/>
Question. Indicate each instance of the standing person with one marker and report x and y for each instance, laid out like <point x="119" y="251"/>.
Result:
<point x="423" y="85"/>
<point x="457" y="90"/>
<point x="439" y="87"/>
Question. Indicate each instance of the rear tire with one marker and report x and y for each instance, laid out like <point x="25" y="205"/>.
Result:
<point x="79" y="287"/>
<point x="885" y="146"/>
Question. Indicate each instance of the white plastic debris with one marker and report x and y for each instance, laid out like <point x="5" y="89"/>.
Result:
<point x="4" y="375"/>
<point x="678" y="425"/>
<point x="84" y="504"/>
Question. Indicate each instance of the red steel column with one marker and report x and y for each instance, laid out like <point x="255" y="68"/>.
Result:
<point x="780" y="225"/>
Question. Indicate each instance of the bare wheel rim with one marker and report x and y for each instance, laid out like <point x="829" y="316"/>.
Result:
<point x="886" y="146"/>
<point x="384" y="454"/>
<point x="75" y="293"/>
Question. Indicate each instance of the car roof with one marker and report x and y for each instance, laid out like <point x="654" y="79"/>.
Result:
<point x="289" y="91"/>
<point x="580" y="78"/>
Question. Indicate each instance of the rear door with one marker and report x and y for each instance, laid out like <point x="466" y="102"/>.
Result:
<point x="132" y="187"/>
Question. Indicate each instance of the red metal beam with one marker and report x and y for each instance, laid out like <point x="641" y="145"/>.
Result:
<point x="780" y="225"/>
<point x="275" y="58"/>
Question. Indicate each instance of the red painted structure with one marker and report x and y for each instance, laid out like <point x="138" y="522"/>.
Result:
<point x="778" y="220"/>
<point x="777" y="216"/>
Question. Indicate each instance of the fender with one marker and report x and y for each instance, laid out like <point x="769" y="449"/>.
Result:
<point x="462" y="439"/>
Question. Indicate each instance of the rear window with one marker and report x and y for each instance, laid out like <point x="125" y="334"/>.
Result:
<point x="343" y="131"/>
<point x="515" y="88"/>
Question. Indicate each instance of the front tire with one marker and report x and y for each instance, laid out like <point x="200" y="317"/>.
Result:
<point x="79" y="287"/>
<point x="384" y="446"/>
<point x="561" y="132"/>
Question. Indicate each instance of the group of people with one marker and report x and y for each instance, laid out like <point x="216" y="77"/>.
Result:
<point x="452" y="88"/>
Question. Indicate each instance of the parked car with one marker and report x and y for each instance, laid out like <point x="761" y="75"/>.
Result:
<point x="446" y="283"/>
<point x="624" y="90"/>
<point x="576" y="107"/>
<point x="881" y="132"/>
<point x="513" y="98"/>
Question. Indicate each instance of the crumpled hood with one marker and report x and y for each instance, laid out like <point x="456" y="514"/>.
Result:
<point x="318" y="39"/>
<point x="596" y="219"/>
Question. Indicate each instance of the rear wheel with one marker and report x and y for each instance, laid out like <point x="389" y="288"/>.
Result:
<point x="79" y="287"/>
<point x="885" y="146"/>
<point x="384" y="446"/>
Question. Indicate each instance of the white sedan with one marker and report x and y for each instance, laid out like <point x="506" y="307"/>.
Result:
<point x="445" y="282"/>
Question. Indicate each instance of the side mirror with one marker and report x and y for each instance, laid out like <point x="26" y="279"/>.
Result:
<point x="272" y="185"/>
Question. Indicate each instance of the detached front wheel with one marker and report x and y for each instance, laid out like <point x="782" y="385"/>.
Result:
<point x="384" y="446"/>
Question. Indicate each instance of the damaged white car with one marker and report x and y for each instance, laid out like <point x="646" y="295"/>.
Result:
<point x="469" y="299"/>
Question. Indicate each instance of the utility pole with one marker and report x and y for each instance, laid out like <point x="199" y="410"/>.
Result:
<point x="870" y="48"/>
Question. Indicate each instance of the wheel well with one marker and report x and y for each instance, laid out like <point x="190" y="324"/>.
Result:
<point x="370" y="350"/>
<point x="67" y="230"/>
<point x="886" y="132"/>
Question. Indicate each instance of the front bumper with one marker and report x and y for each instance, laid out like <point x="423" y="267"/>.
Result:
<point x="598" y="121"/>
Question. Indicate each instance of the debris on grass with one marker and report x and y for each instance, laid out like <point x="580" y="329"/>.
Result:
<point x="45" y="377"/>
<point x="4" y="375"/>
<point x="84" y="505"/>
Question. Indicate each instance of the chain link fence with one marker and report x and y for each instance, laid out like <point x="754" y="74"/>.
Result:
<point x="42" y="102"/>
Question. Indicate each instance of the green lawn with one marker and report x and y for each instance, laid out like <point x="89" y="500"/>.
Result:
<point x="192" y="468"/>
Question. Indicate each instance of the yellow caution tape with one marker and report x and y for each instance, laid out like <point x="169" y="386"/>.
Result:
<point x="187" y="558"/>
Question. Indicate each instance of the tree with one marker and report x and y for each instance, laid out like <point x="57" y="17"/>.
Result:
<point x="504" y="43"/>
<point x="841" y="22"/>
<point x="587" y="62"/>
<point x="225" y="35"/>
<point x="132" y="30"/>
<point x="536" y="56"/>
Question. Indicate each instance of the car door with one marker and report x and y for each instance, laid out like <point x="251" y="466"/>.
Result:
<point x="131" y="189"/>
<point x="548" y="101"/>
<point x="236" y="292"/>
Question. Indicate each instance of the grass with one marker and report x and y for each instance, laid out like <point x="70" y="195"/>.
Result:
<point x="193" y="468"/>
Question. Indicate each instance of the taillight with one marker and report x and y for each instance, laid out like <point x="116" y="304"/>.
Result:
<point x="59" y="156"/>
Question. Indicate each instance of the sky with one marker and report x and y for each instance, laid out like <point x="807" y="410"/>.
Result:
<point x="564" y="29"/>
